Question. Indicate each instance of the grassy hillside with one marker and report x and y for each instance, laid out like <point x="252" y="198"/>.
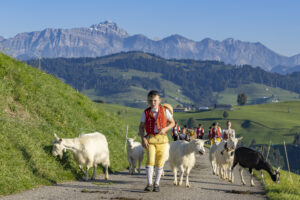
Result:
<point x="287" y="189"/>
<point x="256" y="93"/>
<point x="34" y="106"/>
<point x="135" y="96"/>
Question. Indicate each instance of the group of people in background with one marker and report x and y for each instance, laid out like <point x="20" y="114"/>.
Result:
<point x="215" y="133"/>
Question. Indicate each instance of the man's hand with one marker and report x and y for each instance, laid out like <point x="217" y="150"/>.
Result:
<point x="163" y="131"/>
<point x="145" y="143"/>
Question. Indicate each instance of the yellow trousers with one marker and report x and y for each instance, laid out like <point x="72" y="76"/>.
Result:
<point x="212" y="141"/>
<point x="156" y="151"/>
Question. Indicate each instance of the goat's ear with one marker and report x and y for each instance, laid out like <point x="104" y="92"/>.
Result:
<point x="240" y="138"/>
<point x="277" y="170"/>
<point x="204" y="141"/>
<point x="57" y="138"/>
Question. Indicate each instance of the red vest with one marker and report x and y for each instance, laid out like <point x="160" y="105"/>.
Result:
<point x="178" y="129"/>
<point x="160" y="122"/>
<point x="225" y="136"/>
<point x="216" y="132"/>
<point x="199" y="131"/>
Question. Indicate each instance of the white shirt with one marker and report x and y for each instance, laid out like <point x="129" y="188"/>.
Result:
<point x="226" y="131"/>
<point x="184" y="136"/>
<point x="155" y="112"/>
<point x="175" y="130"/>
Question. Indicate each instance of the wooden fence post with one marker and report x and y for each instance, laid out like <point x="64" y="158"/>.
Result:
<point x="126" y="133"/>
<point x="269" y="147"/>
<point x="287" y="161"/>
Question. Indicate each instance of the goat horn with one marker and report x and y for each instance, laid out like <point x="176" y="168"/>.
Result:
<point x="57" y="138"/>
<point x="277" y="169"/>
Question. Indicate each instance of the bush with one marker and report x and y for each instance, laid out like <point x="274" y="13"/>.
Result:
<point x="225" y="114"/>
<point x="242" y="99"/>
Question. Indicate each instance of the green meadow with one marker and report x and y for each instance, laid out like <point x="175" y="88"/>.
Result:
<point x="256" y="93"/>
<point x="273" y="122"/>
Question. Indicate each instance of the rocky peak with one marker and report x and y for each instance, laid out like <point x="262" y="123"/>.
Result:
<point x="109" y="27"/>
<point x="176" y="38"/>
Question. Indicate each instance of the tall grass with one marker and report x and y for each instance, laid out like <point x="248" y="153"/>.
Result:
<point x="287" y="189"/>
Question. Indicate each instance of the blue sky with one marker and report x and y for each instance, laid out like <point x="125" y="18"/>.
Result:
<point x="274" y="23"/>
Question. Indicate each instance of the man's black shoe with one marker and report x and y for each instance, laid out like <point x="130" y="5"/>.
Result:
<point x="148" y="188"/>
<point x="156" y="188"/>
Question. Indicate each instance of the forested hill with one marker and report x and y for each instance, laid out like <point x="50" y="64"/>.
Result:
<point x="197" y="80"/>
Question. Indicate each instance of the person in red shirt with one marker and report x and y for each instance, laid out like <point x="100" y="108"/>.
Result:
<point x="175" y="132"/>
<point x="157" y="121"/>
<point x="228" y="132"/>
<point x="216" y="133"/>
<point x="184" y="134"/>
<point x="200" y="131"/>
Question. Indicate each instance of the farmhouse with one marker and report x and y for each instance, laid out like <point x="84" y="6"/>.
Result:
<point x="223" y="107"/>
<point x="181" y="109"/>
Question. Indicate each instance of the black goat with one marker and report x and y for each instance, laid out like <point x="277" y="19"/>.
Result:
<point x="248" y="158"/>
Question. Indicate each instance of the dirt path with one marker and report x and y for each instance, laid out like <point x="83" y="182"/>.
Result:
<point x="123" y="186"/>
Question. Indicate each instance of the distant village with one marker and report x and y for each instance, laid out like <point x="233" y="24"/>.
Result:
<point x="204" y="108"/>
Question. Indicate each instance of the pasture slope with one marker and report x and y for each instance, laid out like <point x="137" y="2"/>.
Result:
<point x="34" y="106"/>
<point x="273" y="122"/>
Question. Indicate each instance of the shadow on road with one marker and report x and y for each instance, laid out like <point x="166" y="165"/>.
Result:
<point x="234" y="191"/>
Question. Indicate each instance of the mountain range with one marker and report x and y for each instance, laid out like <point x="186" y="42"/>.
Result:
<point x="107" y="38"/>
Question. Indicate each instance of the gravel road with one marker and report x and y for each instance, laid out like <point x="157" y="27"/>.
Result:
<point x="126" y="187"/>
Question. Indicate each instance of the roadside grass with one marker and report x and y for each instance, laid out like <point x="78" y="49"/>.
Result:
<point x="34" y="106"/>
<point x="287" y="189"/>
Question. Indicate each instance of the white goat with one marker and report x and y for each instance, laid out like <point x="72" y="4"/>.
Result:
<point x="225" y="156"/>
<point x="135" y="152"/>
<point x="182" y="157"/>
<point x="212" y="158"/>
<point x="167" y="150"/>
<point x="88" y="149"/>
